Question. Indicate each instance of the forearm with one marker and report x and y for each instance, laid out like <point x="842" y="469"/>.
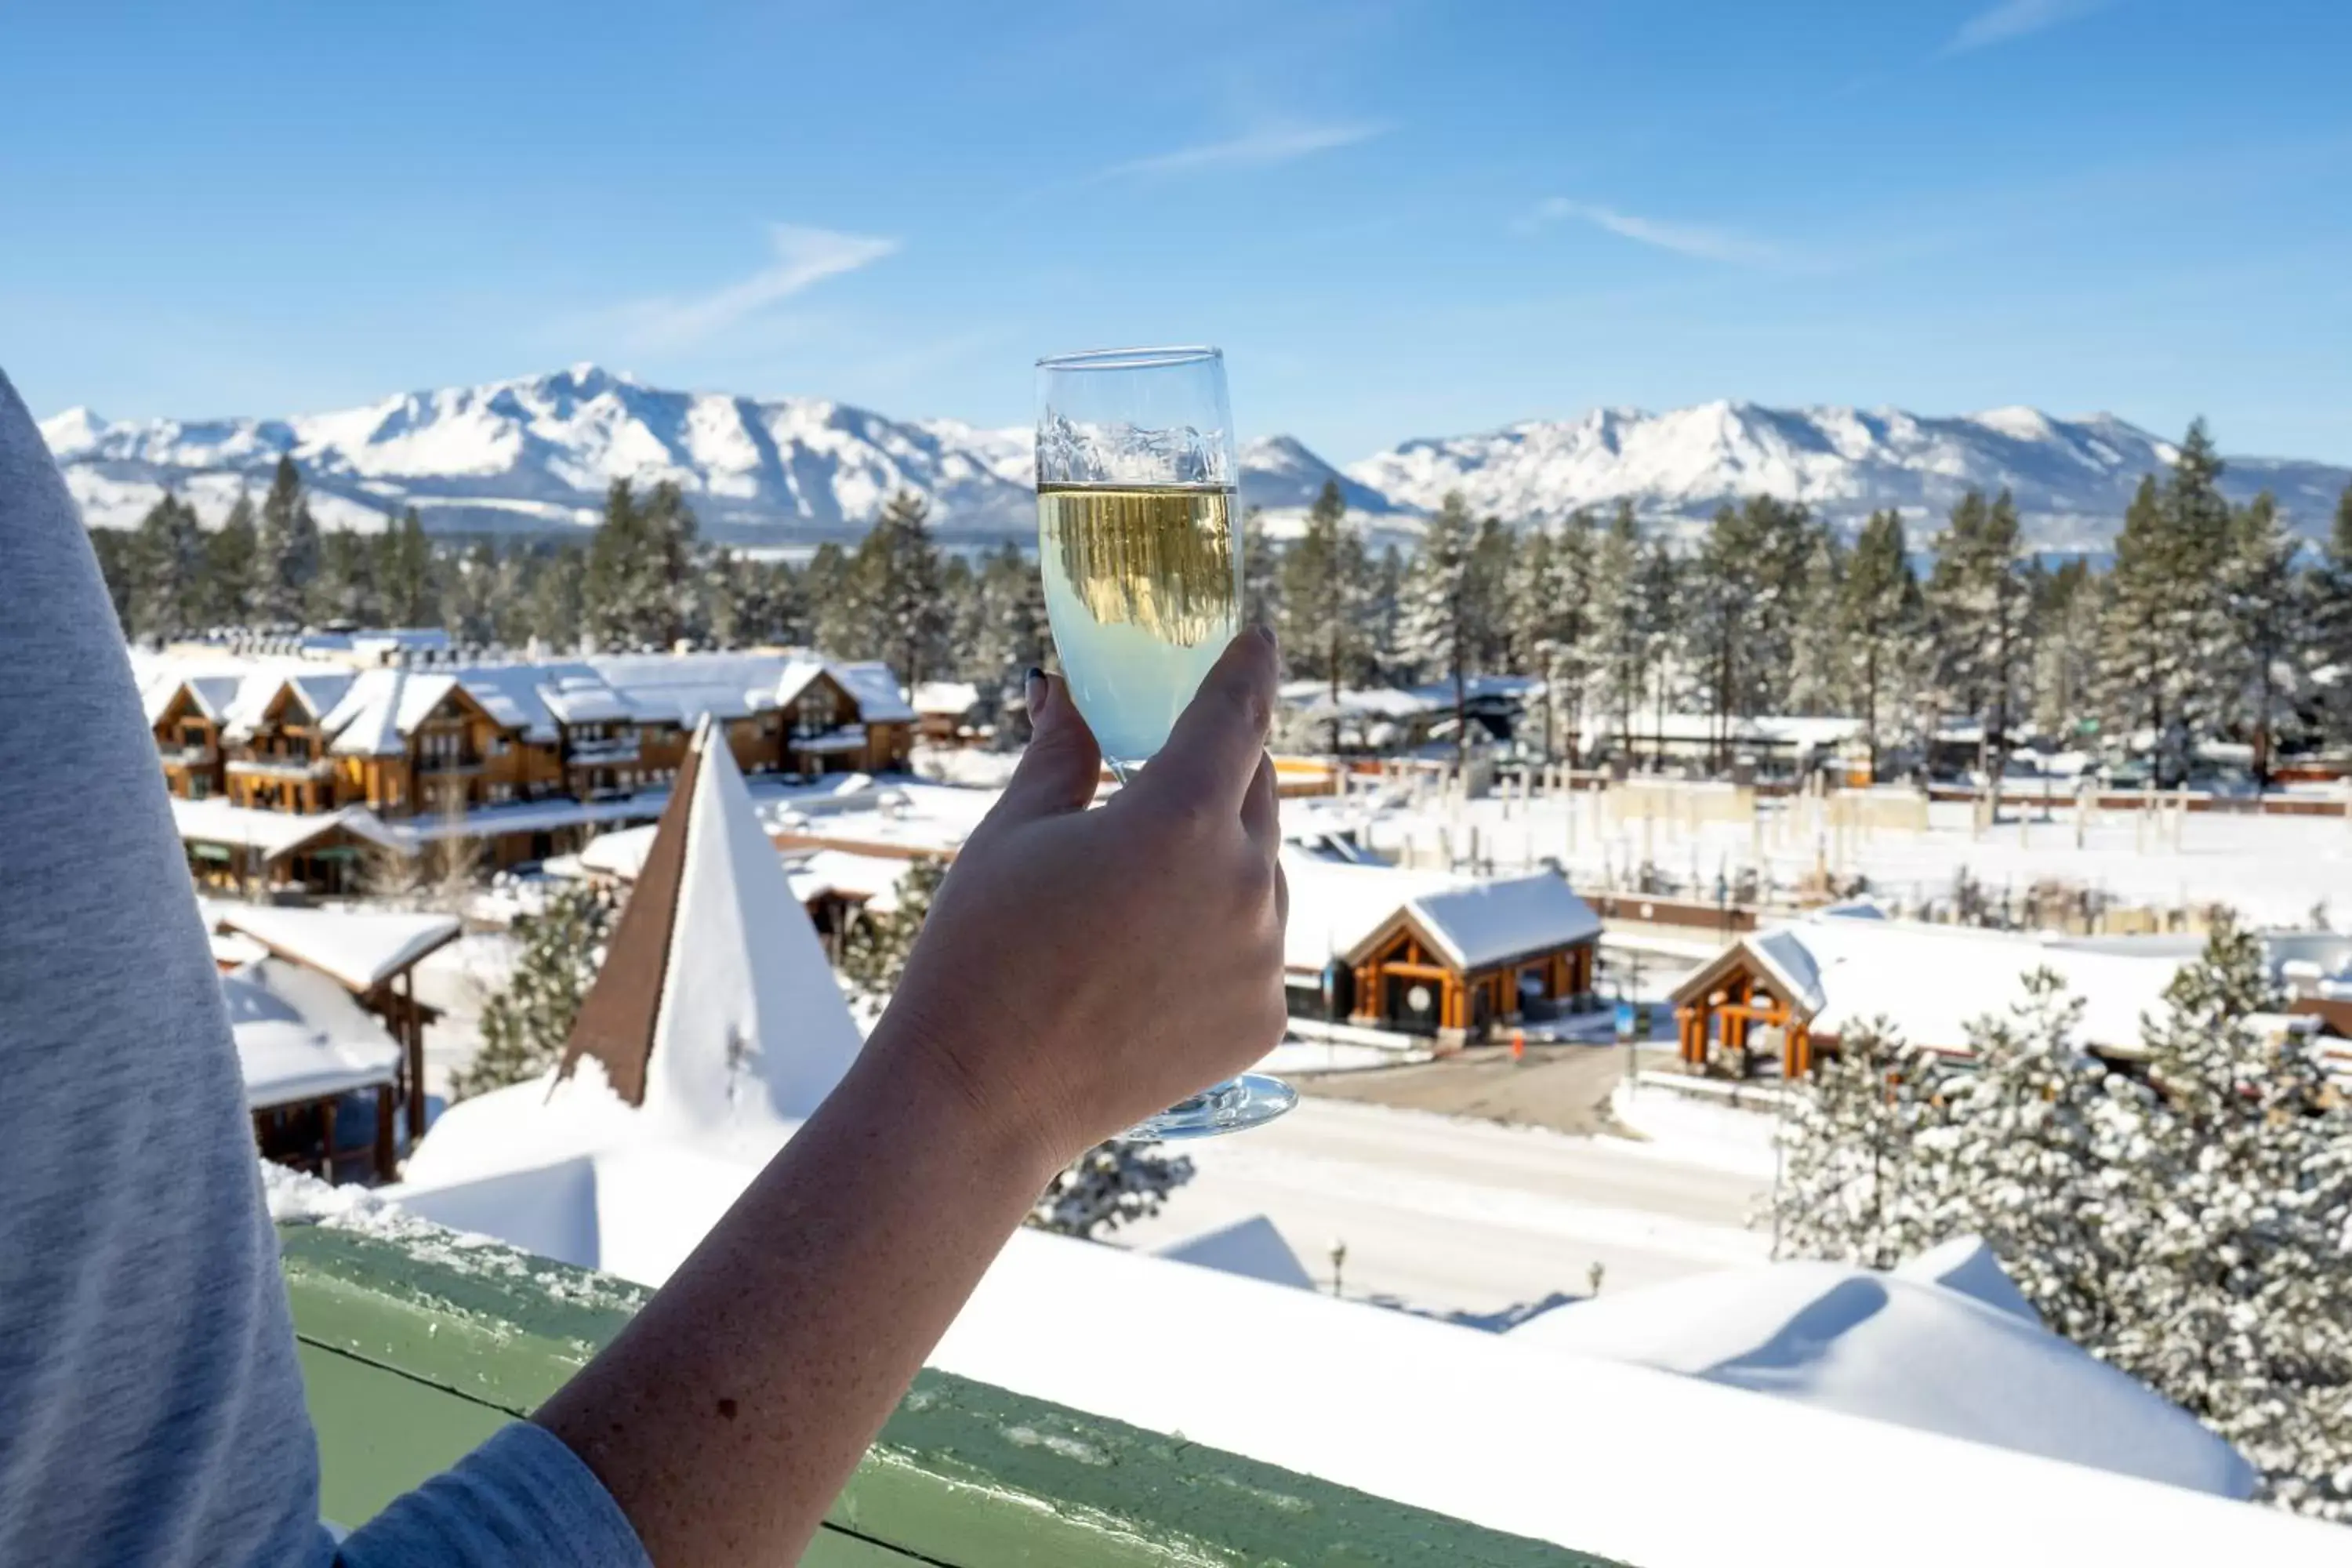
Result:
<point x="729" y="1414"/>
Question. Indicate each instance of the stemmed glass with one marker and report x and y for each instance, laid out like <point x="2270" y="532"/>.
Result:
<point x="1139" y="543"/>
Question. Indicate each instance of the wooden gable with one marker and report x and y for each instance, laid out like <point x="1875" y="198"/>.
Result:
<point x="1400" y="939"/>
<point x="1735" y="967"/>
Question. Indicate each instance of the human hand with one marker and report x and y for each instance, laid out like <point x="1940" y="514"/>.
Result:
<point x="1082" y="970"/>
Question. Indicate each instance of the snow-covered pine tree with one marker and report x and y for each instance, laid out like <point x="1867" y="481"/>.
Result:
<point x="1261" y="572"/>
<point x="1325" y="583"/>
<point x="1978" y="599"/>
<point x="875" y="950"/>
<point x="901" y="567"/>
<point x="1102" y="1188"/>
<point x="167" y="564"/>
<point x="2167" y="626"/>
<point x="1548" y="601"/>
<point x="2239" y="1298"/>
<point x="1109" y="1185"/>
<point x="1437" y="618"/>
<point x="1009" y="633"/>
<point x="1818" y="661"/>
<point x="1879" y="612"/>
<point x="232" y="560"/>
<point x="525" y="1024"/>
<point x="2327" y="611"/>
<point x="1849" y="1187"/>
<point x="1617" y="626"/>
<point x="2042" y="1150"/>
<point x="553" y="608"/>
<point x="2262" y="600"/>
<point x="2066" y="648"/>
<point x="288" y="547"/>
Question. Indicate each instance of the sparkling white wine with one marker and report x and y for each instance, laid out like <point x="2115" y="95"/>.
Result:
<point x="1143" y="588"/>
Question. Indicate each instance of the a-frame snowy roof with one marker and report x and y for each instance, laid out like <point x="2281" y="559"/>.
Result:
<point x="362" y="948"/>
<point x="714" y="1028"/>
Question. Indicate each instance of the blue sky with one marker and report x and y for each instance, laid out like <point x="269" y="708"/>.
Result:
<point x="1400" y="219"/>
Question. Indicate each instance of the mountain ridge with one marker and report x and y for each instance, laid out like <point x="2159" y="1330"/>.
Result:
<point x="535" y="454"/>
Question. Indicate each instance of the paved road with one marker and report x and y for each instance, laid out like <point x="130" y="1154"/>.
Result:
<point x="1459" y="1216"/>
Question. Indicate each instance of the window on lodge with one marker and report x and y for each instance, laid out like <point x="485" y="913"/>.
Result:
<point x="813" y="712"/>
<point x="192" y="735"/>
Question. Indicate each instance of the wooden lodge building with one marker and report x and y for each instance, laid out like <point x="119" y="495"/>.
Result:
<point x="1786" y="996"/>
<point x="288" y="773"/>
<point x="1426" y="953"/>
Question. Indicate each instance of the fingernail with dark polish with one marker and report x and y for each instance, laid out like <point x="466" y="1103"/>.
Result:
<point x="1033" y="691"/>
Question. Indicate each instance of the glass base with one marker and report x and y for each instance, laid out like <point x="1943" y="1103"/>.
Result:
<point x="1235" y="1105"/>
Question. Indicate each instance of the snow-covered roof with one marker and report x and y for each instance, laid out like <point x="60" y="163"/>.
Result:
<point x="1313" y="698"/>
<point x="749" y="1029"/>
<point x="274" y="833"/>
<point x="946" y="699"/>
<point x="1486" y="922"/>
<point x="362" y="948"/>
<point x="382" y="708"/>
<point x="1335" y="905"/>
<point x="317" y="691"/>
<point x="300" y="1036"/>
<point x="620" y="852"/>
<point x="875" y="687"/>
<point x="1250" y="1248"/>
<point x="1900" y="1348"/>
<point x="1932" y="981"/>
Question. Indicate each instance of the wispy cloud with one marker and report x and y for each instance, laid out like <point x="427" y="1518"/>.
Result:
<point x="803" y="258"/>
<point x="2013" y="19"/>
<point x="1690" y="240"/>
<point x="1273" y="144"/>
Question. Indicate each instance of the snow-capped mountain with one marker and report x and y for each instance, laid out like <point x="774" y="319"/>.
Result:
<point x="537" y="453"/>
<point x="2072" y="477"/>
<point x="1280" y="474"/>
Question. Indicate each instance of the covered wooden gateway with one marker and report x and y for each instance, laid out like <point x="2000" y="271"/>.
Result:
<point x="1458" y="961"/>
<point x="1742" y="1003"/>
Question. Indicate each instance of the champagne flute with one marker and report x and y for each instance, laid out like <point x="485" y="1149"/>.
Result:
<point x="1139" y="545"/>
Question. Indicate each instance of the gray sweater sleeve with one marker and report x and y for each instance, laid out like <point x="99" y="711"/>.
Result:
<point x="151" y="1408"/>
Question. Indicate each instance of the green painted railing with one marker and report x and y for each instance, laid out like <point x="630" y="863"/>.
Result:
<point x="416" y="1349"/>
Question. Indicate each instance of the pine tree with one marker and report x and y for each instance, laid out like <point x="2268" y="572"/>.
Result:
<point x="232" y="568"/>
<point x="2327" y="614"/>
<point x="1009" y="633"/>
<point x="344" y="591"/>
<point x="1547" y="605"/>
<point x="167" y="564"/>
<point x="1618" y="628"/>
<point x="1880" y="614"/>
<point x="288" y="548"/>
<point x="1383" y="613"/>
<point x="116" y="550"/>
<point x="901" y="568"/>
<point x="1850" y="1187"/>
<point x="403" y="574"/>
<point x="554" y="607"/>
<point x="2263" y="598"/>
<point x="1109" y="1185"/>
<point x="1325" y="579"/>
<point x="2066" y="616"/>
<point x="476" y="601"/>
<point x="1977" y="601"/>
<point x="1818" y="661"/>
<point x="2240" y="1297"/>
<point x="638" y="585"/>
<point x="1441" y="593"/>
<point x="845" y="620"/>
<point x="1741" y="593"/>
<point x="2167" y="623"/>
<point x="874" y="953"/>
<point x="1261" y="572"/>
<point x="525" y="1025"/>
<point x="1493" y="552"/>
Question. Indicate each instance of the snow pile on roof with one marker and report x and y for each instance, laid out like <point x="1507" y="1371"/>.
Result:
<point x="300" y="1036"/>
<point x="946" y="699"/>
<point x="1482" y="924"/>
<point x="1933" y="981"/>
<point x="875" y="687"/>
<point x="274" y="833"/>
<point x="1250" y="1248"/>
<point x="1967" y="1265"/>
<point x="749" y="1032"/>
<point x="1335" y="906"/>
<point x="361" y="948"/>
<point x="1901" y="1349"/>
<point x="620" y="852"/>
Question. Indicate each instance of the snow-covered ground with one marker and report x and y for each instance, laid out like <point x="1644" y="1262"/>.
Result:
<point x="2275" y="870"/>
<point x="1455" y="1216"/>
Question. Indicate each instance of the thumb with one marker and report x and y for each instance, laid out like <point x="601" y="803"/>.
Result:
<point x="1060" y="769"/>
